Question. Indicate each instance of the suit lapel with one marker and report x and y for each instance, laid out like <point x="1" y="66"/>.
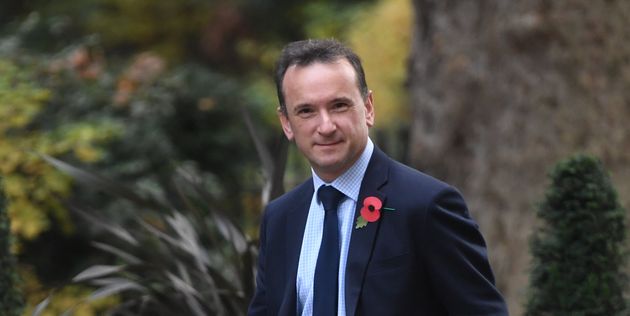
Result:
<point x="295" y="224"/>
<point x="362" y="240"/>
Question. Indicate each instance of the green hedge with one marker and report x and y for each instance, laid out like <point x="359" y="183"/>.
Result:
<point x="578" y="253"/>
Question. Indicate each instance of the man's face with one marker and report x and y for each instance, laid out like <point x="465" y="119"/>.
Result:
<point x="326" y="115"/>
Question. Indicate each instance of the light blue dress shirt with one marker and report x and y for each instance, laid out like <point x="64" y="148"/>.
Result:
<point x="349" y="183"/>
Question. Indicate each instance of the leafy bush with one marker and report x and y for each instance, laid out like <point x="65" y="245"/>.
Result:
<point x="32" y="187"/>
<point x="578" y="254"/>
<point x="191" y="261"/>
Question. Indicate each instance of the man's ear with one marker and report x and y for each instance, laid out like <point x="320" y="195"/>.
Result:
<point x="286" y="125"/>
<point x="369" y="109"/>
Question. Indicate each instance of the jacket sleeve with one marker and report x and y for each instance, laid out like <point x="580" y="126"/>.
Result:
<point x="457" y="260"/>
<point x="258" y="305"/>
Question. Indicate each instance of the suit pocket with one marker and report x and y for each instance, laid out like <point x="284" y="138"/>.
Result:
<point x="380" y="266"/>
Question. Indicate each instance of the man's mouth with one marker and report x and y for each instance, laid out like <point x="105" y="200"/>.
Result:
<point x="329" y="144"/>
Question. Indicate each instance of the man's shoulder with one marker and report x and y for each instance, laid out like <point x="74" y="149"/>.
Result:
<point x="292" y="197"/>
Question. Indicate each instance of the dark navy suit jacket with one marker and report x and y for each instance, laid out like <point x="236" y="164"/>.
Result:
<point x="427" y="257"/>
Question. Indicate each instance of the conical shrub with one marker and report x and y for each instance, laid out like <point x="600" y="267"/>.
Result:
<point x="11" y="302"/>
<point x="578" y="253"/>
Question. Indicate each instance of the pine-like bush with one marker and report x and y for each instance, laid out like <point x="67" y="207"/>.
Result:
<point x="11" y="302"/>
<point x="578" y="254"/>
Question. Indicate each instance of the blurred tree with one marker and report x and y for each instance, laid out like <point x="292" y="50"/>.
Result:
<point x="11" y="301"/>
<point x="168" y="28"/>
<point x="579" y="252"/>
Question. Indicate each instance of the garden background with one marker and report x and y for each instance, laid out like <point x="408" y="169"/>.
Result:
<point x="172" y="104"/>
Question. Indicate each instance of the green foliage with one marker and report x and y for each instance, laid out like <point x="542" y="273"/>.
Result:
<point x="188" y="261"/>
<point x="578" y="253"/>
<point x="165" y="27"/>
<point x="11" y="302"/>
<point x="31" y="186"/>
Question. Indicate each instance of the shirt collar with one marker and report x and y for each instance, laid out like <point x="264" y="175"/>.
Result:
<point x="349" y="183"/>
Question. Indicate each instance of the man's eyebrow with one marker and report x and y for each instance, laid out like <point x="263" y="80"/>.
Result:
<point x="340" y="100"/>
<point x="336" y="100"/>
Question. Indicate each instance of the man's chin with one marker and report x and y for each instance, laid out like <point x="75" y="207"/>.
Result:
<point x="327" y="150"/>
<point x="329" y="168"/>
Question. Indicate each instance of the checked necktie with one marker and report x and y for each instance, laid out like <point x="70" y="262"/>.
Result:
<point x="327" y="268"/>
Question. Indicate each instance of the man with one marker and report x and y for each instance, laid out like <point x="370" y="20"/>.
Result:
<point x="365" y="235"/>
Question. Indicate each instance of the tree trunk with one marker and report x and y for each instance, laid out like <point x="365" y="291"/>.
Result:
<point x="501" y="90"/>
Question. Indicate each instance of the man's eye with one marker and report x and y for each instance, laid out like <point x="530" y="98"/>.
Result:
<point x="340" y="106"/>
<point x="304" y="112"/>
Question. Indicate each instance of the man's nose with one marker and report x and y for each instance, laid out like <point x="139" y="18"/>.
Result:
<point x="326" y="125"/>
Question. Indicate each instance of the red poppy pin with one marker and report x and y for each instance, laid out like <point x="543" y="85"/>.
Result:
<point x="371" y="211"/>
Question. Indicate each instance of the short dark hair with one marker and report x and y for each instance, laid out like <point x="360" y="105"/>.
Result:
<point x="307" y="52"/>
